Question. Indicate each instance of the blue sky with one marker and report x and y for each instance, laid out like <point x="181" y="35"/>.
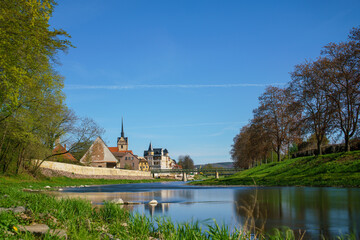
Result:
<point x="187" y="74"/>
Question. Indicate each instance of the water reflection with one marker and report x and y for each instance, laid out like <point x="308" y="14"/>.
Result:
<point x="319" y="211"/>
<point x="159" y="209"/>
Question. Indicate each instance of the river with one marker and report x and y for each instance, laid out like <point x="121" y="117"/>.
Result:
<point x="327" y="212"/>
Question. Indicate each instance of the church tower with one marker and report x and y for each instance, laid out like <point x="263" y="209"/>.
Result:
<point x="150" y="150"/>
<point x="122" y="142"/>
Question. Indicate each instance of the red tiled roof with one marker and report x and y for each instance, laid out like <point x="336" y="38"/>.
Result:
<point x="128" y="151"/>
<point x="113" y="149"/>
<point x="60" y="149"/>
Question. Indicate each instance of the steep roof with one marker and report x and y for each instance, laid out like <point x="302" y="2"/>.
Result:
<point x="113" y="149"/>
<point x="150" y="147"/>
<point x="98" y="152"/>
<point x="116" y="149"/>
<point x="122" y="128"/>
<point x="61" y="149"/>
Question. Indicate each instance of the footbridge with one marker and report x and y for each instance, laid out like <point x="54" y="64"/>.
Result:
<point x="213" y="171"/>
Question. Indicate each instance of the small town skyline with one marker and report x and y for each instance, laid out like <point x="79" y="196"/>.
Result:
<point x="187" y="75"/>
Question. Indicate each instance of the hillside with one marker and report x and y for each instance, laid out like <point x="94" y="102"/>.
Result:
<point x="218" y="165"/>
<point x="339" y="169"/>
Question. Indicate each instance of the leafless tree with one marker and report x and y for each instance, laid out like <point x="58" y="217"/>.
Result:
<point x="310" y="87"/>
<point x="186" y="162"/>
<point x="344" y="84"/>
<point x="279" y="115"/>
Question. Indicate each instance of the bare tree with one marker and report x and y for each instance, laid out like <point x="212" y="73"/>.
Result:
<point x="250" y="146"/>
<point x="279" y="114"/>
<point x="239" y="150"/>
<point x="309" y="86"/>
<point x="186" y="162"/>
<point x="344" y="80"/>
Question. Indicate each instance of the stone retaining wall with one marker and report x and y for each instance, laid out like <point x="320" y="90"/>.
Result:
<point x="93" y="171"/>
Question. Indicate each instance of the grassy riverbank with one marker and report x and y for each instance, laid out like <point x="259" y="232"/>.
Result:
<point x="339" y="169"/>
<point x="25" y="181"/>
<point x="80" y="220"/>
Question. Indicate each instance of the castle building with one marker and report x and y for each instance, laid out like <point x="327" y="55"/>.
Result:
<point x="158" y="158"/>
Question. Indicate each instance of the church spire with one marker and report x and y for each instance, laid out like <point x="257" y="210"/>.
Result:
<point x="150" y="148"/>
<point x="122" y="128"/>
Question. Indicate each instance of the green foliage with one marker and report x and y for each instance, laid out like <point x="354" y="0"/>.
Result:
<point x="32" y="106"/>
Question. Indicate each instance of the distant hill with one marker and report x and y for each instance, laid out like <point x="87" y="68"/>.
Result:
<point x="218" y="165"/>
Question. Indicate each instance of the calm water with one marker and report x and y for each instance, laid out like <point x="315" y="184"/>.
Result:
<point x="320" y="211"/>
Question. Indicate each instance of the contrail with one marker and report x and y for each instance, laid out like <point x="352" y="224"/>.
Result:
<point x="124" y="87"/>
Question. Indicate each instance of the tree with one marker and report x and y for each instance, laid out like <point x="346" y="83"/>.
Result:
<point x="309" y="86"/>
<point x="343" y="76"/>
<point x="27" y="49"/>
<point x="31" y="98"/>
<point x="251" y="145"/>
<point x="186" y="162"/>
<point x="279" y="115"/>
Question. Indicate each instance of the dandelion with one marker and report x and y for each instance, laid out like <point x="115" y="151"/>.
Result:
<point x="15" y="228"/>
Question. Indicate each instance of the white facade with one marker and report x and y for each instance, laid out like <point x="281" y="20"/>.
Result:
<point x="158" y="158"/>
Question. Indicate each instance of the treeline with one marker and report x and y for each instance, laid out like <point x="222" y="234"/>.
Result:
<point x="33" y="114"/>
<point x="321" y="100"/>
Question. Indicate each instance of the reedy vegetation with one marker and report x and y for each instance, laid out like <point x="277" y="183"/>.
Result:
<point x="322" y="100"/>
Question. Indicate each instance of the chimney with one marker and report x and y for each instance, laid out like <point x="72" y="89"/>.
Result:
<point x="65" y="146"/>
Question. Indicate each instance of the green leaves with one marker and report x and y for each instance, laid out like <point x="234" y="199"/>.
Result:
<point x="31" y="97"/>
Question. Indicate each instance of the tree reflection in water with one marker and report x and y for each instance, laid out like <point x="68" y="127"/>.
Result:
<point x="320" y="212"/>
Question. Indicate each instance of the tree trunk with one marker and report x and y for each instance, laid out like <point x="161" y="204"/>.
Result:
<point x="19" y="161"/>
<point x="319" y="148"/>
<point x="347" y="143"/>
<point x="278" y="153"/>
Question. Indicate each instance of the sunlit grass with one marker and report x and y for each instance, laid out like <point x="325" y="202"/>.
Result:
<point x="338" y="169"/>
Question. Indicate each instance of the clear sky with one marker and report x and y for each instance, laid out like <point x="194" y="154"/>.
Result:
<point x="187" y="74"/>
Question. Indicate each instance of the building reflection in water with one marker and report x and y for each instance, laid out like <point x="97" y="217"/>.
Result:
<point x="160" y="208"/>
<point x="327" y="212"/>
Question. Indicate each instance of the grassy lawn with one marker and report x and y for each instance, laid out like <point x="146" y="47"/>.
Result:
<point x="339" y="169"/>
<point x="26" y="181"/>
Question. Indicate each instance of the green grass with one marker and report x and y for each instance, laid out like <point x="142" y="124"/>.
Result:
<point x="338" y="169"/>
<point x="26" y="181"/>
<point x="83" y="221"/>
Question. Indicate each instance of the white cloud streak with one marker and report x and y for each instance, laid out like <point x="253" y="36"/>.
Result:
<point x="191" y="125"/>
<point x="145" y="86"/>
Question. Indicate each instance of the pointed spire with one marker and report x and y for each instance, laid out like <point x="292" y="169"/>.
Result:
<point x="150" y="148"/>
<point x="122" y="128"/>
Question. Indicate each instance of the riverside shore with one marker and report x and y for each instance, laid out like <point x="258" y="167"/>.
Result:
<point x="331" y="170"/>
